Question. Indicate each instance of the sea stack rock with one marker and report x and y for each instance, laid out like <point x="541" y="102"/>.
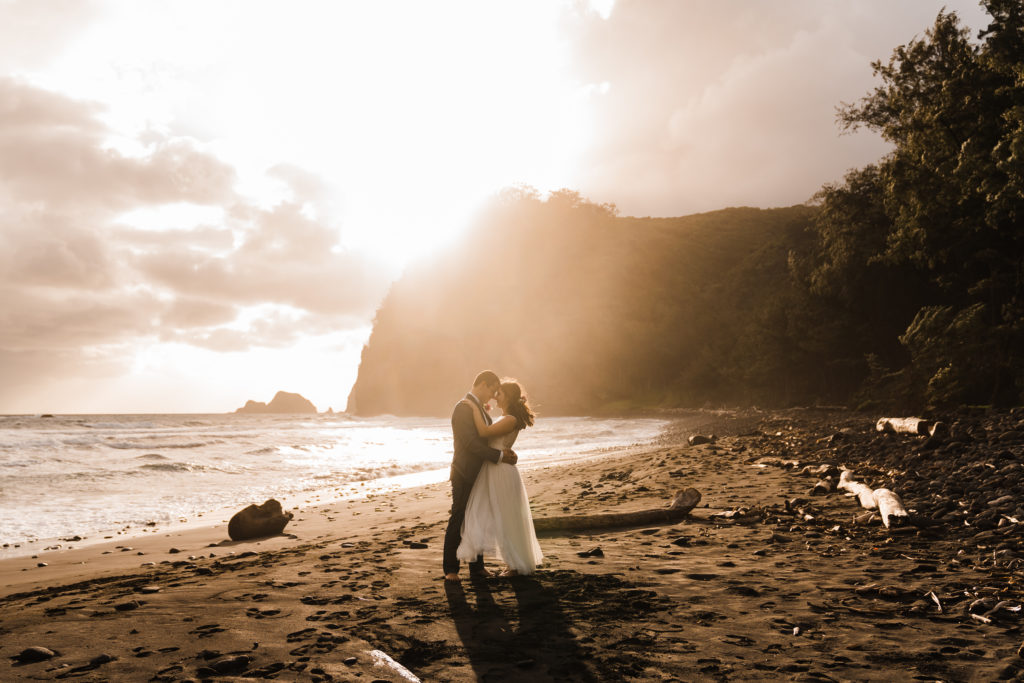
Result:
<point x="283" y="402"/>
<point x="257" y="521"/>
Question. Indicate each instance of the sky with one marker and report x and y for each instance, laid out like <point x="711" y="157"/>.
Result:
<point x="203" y="202"/>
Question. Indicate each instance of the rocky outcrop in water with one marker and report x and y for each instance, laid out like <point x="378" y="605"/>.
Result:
<point x="283" y="402"/>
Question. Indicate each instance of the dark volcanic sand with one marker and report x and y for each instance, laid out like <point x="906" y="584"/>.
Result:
<point x="764" y="594"/>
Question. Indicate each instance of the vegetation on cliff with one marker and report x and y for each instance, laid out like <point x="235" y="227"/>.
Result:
<point x="904" y="283"/>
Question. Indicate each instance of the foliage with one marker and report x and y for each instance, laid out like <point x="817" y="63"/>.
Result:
<point x="929" y="239"/>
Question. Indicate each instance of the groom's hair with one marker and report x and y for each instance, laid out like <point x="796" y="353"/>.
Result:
<point x="486" y="377"/>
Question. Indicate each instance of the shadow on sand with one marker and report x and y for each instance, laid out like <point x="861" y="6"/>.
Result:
<point x="515" y="629"/>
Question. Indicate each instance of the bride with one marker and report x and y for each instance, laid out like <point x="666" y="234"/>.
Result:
<point x="498" y="512"/>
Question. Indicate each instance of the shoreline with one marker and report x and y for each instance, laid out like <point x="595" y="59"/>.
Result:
<point x="741" y="589"/>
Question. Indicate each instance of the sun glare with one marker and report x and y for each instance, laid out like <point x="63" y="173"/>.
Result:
<point x="411" y="115"/>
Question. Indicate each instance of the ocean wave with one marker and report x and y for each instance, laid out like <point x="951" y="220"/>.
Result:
<point x="176" y="467"/>
<point x="151" y="456"/>
<point x="130" y="445"/>
<point x="118" y="425"/>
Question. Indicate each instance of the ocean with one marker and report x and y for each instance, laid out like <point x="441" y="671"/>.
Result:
<point x="96" y="476"/>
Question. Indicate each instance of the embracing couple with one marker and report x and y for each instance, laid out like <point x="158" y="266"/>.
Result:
<point x="490" y="511"/>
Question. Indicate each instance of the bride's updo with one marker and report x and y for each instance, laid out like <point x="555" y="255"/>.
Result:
<point x="518" y="407"/>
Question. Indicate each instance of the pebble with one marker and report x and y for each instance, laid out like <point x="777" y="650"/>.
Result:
<point x="128" y="606"/>
<point x="352" y="660"/>
<point x="99" y="660"/>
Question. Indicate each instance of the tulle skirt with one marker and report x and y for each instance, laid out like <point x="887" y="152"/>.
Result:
<point x="498" y="520"/>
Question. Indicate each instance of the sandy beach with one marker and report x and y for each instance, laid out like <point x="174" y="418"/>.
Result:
<point x="762" y="581"/>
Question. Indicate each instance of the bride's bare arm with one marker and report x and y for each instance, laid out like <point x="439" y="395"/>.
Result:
<point x="503" y="425"/>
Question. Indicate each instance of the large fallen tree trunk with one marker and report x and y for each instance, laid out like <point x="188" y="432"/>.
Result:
<point x="888" y="504"/>
<point x="680" y="507"/>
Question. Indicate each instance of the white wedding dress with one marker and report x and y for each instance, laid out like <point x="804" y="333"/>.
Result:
<point x="498" y="516"/>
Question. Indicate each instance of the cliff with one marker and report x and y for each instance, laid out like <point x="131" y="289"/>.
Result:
<point x="592" y="312"/>
<point x="283" y="402"/>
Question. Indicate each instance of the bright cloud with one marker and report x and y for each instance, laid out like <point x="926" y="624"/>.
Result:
<point x="202" y="203"/>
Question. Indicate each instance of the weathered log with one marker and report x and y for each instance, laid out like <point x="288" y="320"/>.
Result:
<point x="890" y="506"/>
<point x="864" y="493"/>
<point x="680" y="507"/>
<point x="382" y="659"/>
<point x="903" y="425"/>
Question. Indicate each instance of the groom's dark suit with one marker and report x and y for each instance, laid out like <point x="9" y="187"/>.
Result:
<point x="470" y="453"/>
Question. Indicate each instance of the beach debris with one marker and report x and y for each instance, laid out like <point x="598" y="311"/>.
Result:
<point x="682" y="503"/>
<point x="889" y="505"/>
<point x="903" y="425"/>
<point x="773" y="461"/>
<point x="698" y="439"/>
<point x="128" y="606"/>
<point x="937" y="432"/>
<point x="258" y="521"/>
<point x="381" y="658"/>
<point x="35" y="653"/>
<point x="593" y="552"/>
<point x="823" y="487"/>
<point x="863" y="492"/>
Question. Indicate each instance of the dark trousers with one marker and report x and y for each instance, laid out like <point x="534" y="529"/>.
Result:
<point x="453" y="535"/>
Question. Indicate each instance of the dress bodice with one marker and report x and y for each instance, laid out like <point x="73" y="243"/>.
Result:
<point x="504" y="441"/>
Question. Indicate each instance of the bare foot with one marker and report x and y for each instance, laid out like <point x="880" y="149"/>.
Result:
<point x="451" y="577"/>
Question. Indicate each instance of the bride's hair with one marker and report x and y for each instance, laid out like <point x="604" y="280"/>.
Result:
<point x="518" y="407"/>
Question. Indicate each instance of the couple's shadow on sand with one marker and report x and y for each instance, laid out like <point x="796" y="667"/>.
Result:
<point x="524" y="636"/>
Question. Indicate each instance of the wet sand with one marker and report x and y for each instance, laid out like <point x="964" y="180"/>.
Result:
<point x="763" y="581"/>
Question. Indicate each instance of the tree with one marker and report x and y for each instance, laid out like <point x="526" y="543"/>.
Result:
<point x="941" y="214"/>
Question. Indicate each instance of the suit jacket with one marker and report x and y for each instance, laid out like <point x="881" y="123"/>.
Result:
<point x="470" y="448"/>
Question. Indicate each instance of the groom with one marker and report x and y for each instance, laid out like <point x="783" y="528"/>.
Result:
<point x="471" y="450"/>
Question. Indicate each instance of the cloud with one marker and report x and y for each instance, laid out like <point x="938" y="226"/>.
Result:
<point x="53" y="150"/>
<point x="32" y="32"/>
<point x="706" y="104"/>
<point x="82" y="284"/>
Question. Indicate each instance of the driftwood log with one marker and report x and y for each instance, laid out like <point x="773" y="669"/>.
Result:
<point x="936" y="431"/>
<point x="888" y="504"/>
<point x="865" y="494"/>
<point x="680" y="507"/>
<point x="903" y="425"/>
